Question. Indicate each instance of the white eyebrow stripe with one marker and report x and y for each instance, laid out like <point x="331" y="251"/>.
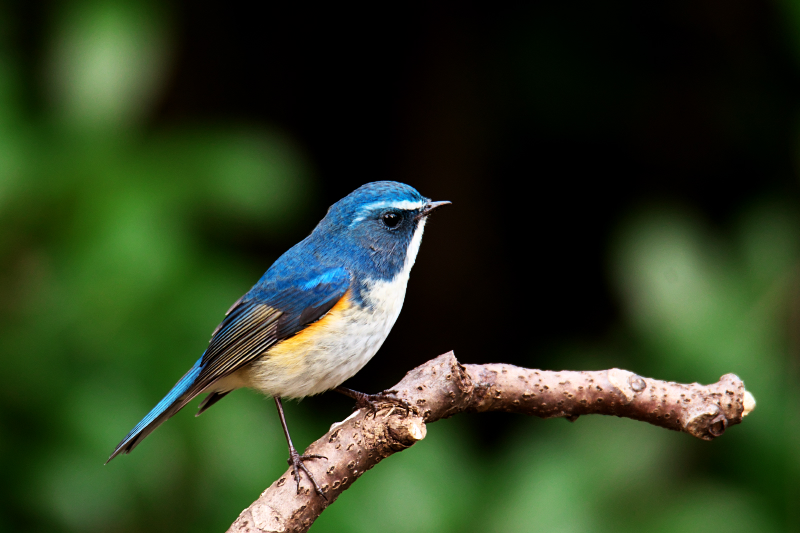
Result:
<point x="404" y="205"/>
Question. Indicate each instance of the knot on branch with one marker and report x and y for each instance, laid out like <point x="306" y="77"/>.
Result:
<point x="437" y="389"/>
<point x="406" y="431"/>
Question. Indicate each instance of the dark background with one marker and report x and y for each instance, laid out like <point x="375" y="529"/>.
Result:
<point x="625" y="194"/>
<point x="545" y="124"/>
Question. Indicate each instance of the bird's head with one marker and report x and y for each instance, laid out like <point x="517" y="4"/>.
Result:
<point x="380" y="224"/>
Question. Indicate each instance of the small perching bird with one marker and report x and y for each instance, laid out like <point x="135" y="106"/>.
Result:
<point x="316" y="317"/>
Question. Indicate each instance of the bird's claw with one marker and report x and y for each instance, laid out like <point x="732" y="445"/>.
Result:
<point x="376" y="402"/>
<point x="295" y="460"/>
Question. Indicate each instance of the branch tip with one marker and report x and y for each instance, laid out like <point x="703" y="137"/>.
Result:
<point x="749" y="403"/>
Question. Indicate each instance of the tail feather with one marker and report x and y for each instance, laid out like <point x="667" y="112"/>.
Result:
<point x="210" y="400"/>
<point x="173" y="402"/>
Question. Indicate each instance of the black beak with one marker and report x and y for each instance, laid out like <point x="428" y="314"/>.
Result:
<point x="430" y="207"/>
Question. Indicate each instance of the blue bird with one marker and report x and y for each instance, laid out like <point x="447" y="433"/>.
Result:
<point x="316" y="317"/>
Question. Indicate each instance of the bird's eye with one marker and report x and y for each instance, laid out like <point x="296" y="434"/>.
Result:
<point x="390" y="220"/>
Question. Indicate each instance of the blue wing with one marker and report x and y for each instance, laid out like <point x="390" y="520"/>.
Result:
<point x="273" y="310"/>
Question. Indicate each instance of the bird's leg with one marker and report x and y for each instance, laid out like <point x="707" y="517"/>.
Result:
<point x="295" y="459"/>
<point x="374" y="402"/>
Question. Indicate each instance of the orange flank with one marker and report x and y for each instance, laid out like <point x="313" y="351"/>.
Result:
<point x="290" y="354"/>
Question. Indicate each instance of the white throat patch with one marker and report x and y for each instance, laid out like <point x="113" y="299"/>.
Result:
<point x="413" y="247"/>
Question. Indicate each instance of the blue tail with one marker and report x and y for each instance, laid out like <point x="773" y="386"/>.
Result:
<point x="168" y="406"/>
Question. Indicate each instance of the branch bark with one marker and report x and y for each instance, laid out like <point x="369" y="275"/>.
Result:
<point x="444" y="387"/>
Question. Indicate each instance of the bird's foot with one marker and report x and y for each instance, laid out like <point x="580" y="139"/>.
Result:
<point x="296" y="462"/>
<point x="376" y="402"/>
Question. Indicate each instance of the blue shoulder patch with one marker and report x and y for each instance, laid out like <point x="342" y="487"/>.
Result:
<point x="325" y="278"/>
<point x="304" y="302"/>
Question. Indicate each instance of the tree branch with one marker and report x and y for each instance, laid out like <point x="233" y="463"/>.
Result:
<point x="444" y="387"/>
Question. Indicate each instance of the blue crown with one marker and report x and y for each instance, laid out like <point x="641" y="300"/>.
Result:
<point x="376" y="194"/>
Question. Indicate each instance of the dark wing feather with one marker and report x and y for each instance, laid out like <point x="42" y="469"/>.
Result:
<point x="245" y="334"/>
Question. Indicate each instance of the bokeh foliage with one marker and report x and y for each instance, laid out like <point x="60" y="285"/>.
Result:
<point x="111" y="284"/>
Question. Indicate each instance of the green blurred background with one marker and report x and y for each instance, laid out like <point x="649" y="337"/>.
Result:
<point x="625" y="187"/>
